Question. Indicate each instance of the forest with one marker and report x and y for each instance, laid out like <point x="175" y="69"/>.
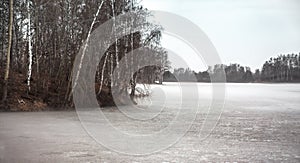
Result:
<point x="281" y="69"/>
<point x="40" y="40"/>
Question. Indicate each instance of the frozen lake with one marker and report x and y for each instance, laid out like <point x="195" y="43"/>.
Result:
<point x="259" y="122"/>
<point x="281" y="97"/>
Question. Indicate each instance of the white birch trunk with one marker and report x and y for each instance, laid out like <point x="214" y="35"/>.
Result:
<point x="29" y="45"/>
<point x="86" y="44"/>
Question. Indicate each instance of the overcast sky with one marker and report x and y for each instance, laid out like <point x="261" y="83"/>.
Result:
<point x="243" y="31"/>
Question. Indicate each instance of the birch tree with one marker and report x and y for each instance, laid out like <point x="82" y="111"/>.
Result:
<point x="29" y="36"/>
<point x="85" y="46"/>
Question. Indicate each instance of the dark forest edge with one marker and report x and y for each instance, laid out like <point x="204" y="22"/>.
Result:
<point x="281" y="69"/>
<point x="40" y="41"/>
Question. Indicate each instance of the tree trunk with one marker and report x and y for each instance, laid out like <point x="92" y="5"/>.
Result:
<point x="4" y="98"/>
<point x="3" y="36"/>
<point x="29" y="46"/>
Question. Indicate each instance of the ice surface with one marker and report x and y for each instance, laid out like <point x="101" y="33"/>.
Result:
<point x="259" y="123"/>
<point x="243" y="96"/>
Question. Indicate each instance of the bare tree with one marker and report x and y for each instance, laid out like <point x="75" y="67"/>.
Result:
<point x="29" y="45"/>
<point x="6" y="76"/>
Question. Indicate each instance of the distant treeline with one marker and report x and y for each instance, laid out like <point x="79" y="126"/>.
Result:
<point x="284" y="68"/>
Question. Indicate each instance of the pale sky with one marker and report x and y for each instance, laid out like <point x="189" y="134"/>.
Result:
<point x="248" y="32"/>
